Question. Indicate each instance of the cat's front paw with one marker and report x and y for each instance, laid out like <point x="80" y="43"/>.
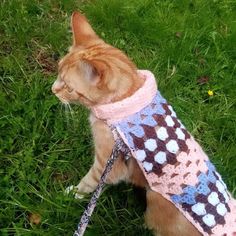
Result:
<point x="74" y="190"/>
<point x="69" y="189"/>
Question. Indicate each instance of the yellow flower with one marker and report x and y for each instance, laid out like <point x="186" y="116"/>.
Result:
<point x="210" y="93"/>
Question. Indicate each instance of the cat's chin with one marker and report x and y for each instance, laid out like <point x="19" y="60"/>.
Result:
<point x="76" y="102"/>
<point x="67" y="102"/>
<point x="63" y="101"/>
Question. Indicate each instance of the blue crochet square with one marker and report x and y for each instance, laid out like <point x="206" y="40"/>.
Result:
<point x="191" y="190"/>
<point x="176" y="198"/>
<point x="210" y="166"/>
<point x="211" y="177"/>
<point x="203" y="178"/>
<point x="202" y="188"/>
<point x="189" y="199"/>
<point x="159" y="98"/>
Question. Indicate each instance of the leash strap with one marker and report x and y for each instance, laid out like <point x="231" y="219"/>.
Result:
<point x="118" y="148"/>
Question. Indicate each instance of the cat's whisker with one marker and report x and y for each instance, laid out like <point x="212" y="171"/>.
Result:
<point x="72" y="114"/>
<point x="62" y="109"/>
<point x="67" y="111"/>
<point x="71" y="111"/>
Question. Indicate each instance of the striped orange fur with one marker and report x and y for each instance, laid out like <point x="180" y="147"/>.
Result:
<point x="94" y="72"/>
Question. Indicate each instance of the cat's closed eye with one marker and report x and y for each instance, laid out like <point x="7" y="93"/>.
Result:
<point x="68" y="88"/>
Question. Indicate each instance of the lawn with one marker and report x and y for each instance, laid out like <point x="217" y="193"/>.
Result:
<point x="189" y="45"/>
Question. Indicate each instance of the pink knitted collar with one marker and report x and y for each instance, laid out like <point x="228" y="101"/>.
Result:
<point x="116" y="111"/>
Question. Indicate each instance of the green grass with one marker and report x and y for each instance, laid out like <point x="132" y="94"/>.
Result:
<point x="43" y="148"/>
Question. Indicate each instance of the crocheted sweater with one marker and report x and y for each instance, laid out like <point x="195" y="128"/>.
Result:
<point x="172" y="161"/>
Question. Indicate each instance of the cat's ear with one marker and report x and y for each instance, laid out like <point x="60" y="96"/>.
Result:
<point x="82" y="30"/>
<point x="94" y="70"/>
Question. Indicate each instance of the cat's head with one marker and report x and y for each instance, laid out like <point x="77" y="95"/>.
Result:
<point x="93" y="72"/>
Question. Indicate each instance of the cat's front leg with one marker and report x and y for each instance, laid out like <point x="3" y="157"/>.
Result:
<point x="104" y="142"/>
<point x="90" y="181"/>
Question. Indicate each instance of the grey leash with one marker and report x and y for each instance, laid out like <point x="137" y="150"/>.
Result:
<point x="118" y="148"/>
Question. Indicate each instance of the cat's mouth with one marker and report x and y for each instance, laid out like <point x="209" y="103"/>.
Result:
<point x="81" y="100"/>
<point x="62" y="100"/>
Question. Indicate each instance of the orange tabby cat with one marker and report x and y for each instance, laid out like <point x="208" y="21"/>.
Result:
<point x="92" y="73"/>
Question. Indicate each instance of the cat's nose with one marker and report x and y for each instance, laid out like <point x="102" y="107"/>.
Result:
<point x="57" y="86"/>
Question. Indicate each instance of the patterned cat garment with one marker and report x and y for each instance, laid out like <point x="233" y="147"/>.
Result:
<point x="172" y="161"/>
